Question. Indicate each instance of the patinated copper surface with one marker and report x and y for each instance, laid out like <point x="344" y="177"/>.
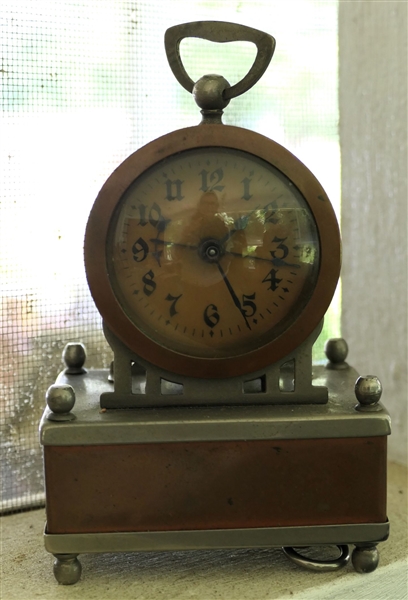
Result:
<point x="213" y="485"/>
<point x="178" y="141"/>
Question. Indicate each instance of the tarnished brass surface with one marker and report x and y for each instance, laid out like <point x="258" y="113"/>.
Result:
<point x="219" y="31"/>
<point x="92" y="426"/>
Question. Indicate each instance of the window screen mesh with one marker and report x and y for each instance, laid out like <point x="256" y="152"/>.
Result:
<point x="84" y="84"/>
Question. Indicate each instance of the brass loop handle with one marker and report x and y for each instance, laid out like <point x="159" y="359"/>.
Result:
<point x="219" y="31"/>
<point x="319" y="565"/>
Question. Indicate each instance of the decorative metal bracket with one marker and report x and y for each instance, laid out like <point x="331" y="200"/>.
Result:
<point x="138" y="383"/>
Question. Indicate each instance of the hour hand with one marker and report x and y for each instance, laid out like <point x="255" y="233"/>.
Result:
<point x="279" y="262"/>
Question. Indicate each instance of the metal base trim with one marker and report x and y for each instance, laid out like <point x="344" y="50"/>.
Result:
<point x="267" y="537"/>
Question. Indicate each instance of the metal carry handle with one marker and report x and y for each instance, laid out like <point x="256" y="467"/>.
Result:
<point x="219" y="31"/>
<point x="319" y="565"/>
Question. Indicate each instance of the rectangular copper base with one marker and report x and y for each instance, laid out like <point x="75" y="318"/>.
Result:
<point x="215" y="485"/>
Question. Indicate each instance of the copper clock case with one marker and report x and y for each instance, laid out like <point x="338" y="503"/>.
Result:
<point x="199" y="137"/>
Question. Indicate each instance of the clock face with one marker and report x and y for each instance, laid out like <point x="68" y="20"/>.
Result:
<point x="212" y="253"/>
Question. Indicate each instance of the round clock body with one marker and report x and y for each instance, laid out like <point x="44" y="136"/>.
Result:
<point x="212" y="252"/>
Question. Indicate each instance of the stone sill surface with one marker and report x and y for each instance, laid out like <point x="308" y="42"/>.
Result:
<point x="203" y="575"/>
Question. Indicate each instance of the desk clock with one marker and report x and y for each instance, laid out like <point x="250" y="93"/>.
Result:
<point x="212" y="255"/>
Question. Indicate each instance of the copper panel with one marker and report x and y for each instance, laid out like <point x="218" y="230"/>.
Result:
<point x="213" y="485"/>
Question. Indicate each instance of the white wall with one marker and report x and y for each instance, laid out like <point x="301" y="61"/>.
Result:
<point x="373" y="134"/>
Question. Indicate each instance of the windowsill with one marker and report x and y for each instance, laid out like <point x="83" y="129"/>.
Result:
<point x="204" y="575"/>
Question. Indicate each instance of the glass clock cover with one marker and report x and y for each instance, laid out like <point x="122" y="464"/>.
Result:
<point x="212" y="250"/>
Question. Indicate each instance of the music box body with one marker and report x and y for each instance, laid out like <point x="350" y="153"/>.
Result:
<point x="212" y="255"/>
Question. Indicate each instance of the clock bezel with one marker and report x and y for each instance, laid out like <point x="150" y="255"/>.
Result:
<point x="229" y="137"/>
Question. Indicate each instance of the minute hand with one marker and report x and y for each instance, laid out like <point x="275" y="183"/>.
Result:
<point x="233" y="294"/>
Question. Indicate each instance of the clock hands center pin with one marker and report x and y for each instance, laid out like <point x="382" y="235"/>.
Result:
<point x="210" y="253"/>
